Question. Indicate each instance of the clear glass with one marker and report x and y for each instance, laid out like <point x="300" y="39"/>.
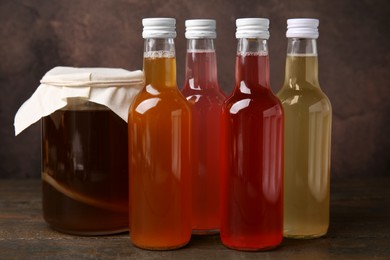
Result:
<point x="85" y="169"/>
<point x="308" y="117"/>
<point x="159" y="145"/>
<point x="205" y="99"/>
<point x="252" y="155"/>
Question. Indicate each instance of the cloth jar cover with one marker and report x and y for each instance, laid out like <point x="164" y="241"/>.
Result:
<point x="111" y="87"/>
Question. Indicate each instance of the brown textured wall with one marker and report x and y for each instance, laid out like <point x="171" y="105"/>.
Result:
<point x="36" y="35"/>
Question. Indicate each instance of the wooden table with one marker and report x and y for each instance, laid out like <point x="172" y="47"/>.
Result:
<point x="360" y="229"/>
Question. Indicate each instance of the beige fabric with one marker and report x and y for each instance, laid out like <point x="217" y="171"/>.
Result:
<point x="114" y="88"/>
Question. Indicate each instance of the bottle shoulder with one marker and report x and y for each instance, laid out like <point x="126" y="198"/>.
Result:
<point x="204" y="96"/>
<point x="263" y="100"/>
<point x="302" y="88"/>
<point x="304" y="98"/>
<point x="165" y="100"/>
<point x="259" y="95"/>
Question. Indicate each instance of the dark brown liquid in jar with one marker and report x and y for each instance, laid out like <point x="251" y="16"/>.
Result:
<point x="85" y="170"/>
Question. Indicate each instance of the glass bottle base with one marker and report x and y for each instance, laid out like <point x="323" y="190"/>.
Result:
<point x="160" y="248"/>
<point x="253" y="249"/>
<point x="90" y="233"/>
<point x="304" y="236"/>
<point x="205" y="231"/>
<point x="238" y="248"/>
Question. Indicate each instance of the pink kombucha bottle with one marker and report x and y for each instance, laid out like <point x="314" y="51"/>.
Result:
<point x="205" y="98"/>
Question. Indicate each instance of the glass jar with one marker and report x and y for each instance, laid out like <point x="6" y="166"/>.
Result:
<point x="85" y="169"/>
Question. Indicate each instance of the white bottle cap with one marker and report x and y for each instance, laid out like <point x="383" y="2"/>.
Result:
<point x="302" y="28"/>
<point x="159" y="28"/>
<point x="200" y="28"/>
<point x="252" y="28"/>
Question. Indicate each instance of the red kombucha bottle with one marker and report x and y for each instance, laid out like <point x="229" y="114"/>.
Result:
<point x="252" y="148"/>
<point x="205" y="98"/>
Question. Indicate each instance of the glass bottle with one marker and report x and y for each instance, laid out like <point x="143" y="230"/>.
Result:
<point x="205" y="99"/>
<point x="252" y="148"/>
<point x="308" y="117"/>
<point x="159" y="144"/>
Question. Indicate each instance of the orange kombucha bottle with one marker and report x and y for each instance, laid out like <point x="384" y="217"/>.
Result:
<point x="159" y="141"/>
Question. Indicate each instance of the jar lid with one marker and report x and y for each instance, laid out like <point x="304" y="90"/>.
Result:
<point x="91" y="77"/>
<point x="111" y="87"/>
<point x="302" y="28"/>
<point x="200" y="28"/>
<point x="252" y="28"/>
<point x="159" y="28"/>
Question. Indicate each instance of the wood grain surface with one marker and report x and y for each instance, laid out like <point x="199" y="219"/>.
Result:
<point x="359" y="229"/>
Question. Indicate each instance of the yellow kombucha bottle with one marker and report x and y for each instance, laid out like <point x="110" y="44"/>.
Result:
<point x="308" y="118"/>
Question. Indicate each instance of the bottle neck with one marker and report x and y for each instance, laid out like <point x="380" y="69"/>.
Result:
<point x="160" y="63"/>
<point x="201" y="64"/>
<point x="252" y="64"/>
<point x="301" y="63"/>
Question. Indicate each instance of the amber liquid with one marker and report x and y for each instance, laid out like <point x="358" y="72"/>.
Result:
<point x="307" y="150"/>
<point x="160" y="179"/>
<point x="85" y="171"/>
